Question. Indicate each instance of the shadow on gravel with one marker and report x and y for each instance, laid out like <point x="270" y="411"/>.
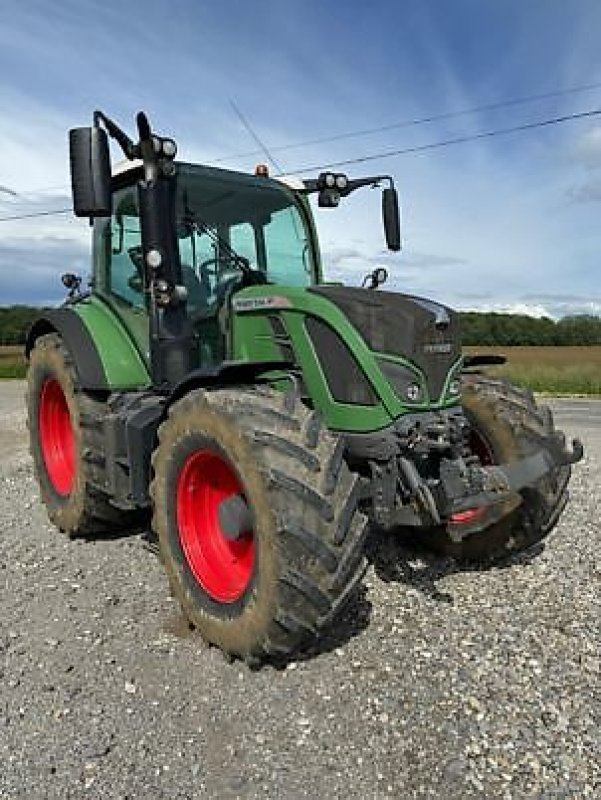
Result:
<point x="399" y="558"/>
<point x="138" y="528"/>
<point x="353" y="620"/>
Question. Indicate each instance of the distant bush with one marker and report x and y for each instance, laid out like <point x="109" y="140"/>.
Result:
<point x="15" y="321"/>
<point x="513" y="330"/>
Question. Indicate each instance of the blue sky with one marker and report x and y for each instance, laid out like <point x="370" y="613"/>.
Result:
<point x="506" y="223"/>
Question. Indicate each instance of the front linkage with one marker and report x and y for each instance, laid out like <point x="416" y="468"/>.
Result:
<point x="431" y="476"/>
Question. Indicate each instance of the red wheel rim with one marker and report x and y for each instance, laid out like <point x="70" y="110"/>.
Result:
<point x="223" y="567"/>
<point x="56" y="437"/>
<point x="481" y="448"/>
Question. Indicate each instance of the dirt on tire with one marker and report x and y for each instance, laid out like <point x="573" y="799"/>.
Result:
<point x="510" y="425"/>
<point x="85" y="509"/>
<point x="308" y="531"/>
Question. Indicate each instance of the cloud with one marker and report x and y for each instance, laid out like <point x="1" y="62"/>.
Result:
<point x="490" y="218"/>
<point x="589" y="192"/>
<point x="587" y="148"/>
<point x="542" y="305"/>
<point x="30" y="269"/>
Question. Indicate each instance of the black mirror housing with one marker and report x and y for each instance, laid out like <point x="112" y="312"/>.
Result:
<point x="391" y="218"/>
<point x="90" y="172"/>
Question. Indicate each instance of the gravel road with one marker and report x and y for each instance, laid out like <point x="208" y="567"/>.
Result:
<point x="438" y="682"/>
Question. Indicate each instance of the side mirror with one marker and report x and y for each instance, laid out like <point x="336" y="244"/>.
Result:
<point x="391" y="218"/>
<point x="90" y="172"/>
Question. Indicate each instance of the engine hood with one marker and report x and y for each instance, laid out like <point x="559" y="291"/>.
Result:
<point x="391" y="323"/>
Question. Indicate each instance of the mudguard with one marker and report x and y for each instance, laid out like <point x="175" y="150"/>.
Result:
<point x="104" y="354"/>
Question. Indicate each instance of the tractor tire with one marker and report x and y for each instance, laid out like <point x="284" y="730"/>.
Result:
<point x="298" y="552"/>
<point x="507" y="425"/>
<point x="66" y="443"/>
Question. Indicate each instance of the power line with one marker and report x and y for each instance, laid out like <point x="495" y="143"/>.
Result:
<point x="389" y="153"/>
<point x="254" y="135"/>
<point x="447" y="142"/>
<point x="36" y="214"/>
<point x="396" y="125"/>
<point x="419" y="121"/>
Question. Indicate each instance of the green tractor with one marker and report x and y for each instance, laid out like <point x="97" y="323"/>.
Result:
<point x="265" y="418"/>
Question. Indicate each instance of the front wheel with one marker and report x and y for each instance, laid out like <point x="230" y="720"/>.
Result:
<point x="506" y="426"/>
<point x="67" y="442"/>
<point x="256" y="516"/>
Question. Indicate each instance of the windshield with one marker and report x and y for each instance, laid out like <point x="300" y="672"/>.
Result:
<point x="223" y="214"/>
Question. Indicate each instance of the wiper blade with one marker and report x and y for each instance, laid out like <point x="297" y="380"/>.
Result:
<point x="192" y="219"/>
<point x="243" y="262"/>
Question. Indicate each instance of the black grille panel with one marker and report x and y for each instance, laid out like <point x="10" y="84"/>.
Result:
<point x="426" y="333"/>
<point x="344" y="376"/>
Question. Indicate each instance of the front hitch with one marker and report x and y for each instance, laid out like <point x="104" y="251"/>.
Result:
<point x="498" y="487"/>
<point x="468" y="498"/>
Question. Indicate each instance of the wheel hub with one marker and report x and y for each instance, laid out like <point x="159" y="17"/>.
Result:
<point x="222" y="563"/>
<point x="57" y="440"/>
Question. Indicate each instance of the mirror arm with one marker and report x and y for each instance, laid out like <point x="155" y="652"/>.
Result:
<point x="114" y="131"/>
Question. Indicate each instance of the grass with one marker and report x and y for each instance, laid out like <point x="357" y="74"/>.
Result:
<point x="12" y="361"/>
<point x="554" y="370"/>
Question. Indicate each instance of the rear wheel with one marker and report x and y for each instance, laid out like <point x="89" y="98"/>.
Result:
<point x="508" y="425"/>
<point x="67" y="442"/>
<point x="257" y="520"/>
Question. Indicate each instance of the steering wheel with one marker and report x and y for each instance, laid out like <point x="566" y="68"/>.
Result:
<point x="214" y="262"/>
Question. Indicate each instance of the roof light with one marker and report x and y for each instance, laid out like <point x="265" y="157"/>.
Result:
<point x="169" y="148"/>
<point x="262" y="171"/>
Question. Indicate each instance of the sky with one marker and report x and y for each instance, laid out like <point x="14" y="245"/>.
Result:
<point x="505" y="223"/>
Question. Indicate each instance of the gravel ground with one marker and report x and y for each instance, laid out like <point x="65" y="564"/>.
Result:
<point x="438" y="682"/>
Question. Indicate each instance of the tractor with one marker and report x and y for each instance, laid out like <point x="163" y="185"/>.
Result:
<point x="264" y="420"/>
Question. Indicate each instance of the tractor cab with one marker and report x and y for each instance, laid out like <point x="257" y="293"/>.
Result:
<point x="174" y="242"/>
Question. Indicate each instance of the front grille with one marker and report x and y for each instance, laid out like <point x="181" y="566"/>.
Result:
<point x="425" y="333"/>
<point x="345" y="378"/>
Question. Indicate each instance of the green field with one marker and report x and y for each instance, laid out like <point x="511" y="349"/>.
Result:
<point x="12" y="361"/>
<point x="556" y="370"/>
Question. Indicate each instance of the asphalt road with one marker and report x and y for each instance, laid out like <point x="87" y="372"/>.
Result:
<point x="440" y="682"/>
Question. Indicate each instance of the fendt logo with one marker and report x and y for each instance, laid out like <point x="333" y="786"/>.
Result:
<point x="438" y="347"/>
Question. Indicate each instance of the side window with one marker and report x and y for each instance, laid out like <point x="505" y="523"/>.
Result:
<point x="120" y="276"/>
<point x="287" y="249"/>
<point x="242" y="239"/>
<point x="125" y="276"/>
<point x="196" y="249"/>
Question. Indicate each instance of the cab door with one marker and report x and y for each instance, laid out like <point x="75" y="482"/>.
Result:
<point x="119" y="272"/>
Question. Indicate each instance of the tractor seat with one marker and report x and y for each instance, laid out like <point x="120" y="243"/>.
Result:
<point x="198" y="297"/>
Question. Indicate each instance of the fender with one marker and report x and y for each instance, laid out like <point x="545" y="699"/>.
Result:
<point x="104" y="355"/>
<point x="78" y="341"/>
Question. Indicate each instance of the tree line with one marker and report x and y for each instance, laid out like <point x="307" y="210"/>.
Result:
<point x="478" y="328"/>
<point x="508" y="330"/>
<point x="15" y="321"/>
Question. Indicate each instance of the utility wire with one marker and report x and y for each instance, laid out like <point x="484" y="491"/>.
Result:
<point x="447" y="142"/>
<point x="36" y="214"/>
<point x="254" y="135"/>
<point x="352" y="134"/>
<point x="516" y="101"/>
<point x="390" y="153"/>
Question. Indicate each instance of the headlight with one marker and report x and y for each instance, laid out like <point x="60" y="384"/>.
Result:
<point x="406" y="383"/>
<point x="453" y="390"/>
